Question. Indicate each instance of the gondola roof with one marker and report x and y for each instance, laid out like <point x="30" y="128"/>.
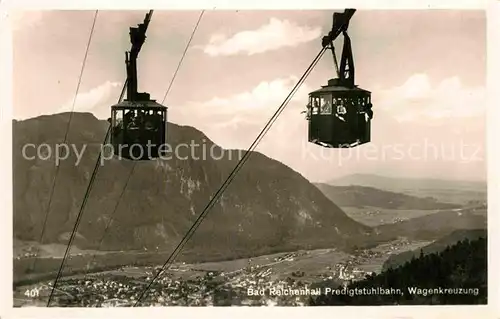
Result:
<point x="336" y="88"/>
<point x="151" y="104"/>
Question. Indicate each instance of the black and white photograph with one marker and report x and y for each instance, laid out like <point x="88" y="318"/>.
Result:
<point x="235" y="158"/>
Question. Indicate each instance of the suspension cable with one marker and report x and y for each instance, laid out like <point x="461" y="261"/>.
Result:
<point x="78" y="218"/>
<point x="183" y="55"/>
<point x="84" y="202"/>
<point x="44" y="225"/>
<point x="132" y="170"/>
<point x="85" y="198"/>
<point x="89" y="188"/>
<point x="122" y="94"/>
<point x="231" y="176"/>
<point x="111" y="216"/>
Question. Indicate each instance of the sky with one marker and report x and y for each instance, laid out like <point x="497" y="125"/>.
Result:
<point x="426" y="71"/>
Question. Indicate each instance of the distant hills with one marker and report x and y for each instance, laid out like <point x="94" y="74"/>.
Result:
<point x="364" y="196"/>
<point x="436" y="247"/>
<point x="401" y="183"/>
<point x="447" y="191"/>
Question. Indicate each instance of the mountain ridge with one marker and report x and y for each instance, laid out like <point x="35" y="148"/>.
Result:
<point x="267" y="205"/>
<point x="362" y="196"/>
<point x="395" y="183"/>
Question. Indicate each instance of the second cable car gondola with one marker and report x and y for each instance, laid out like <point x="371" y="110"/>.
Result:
<point x="339" y="113"/>
<point x="138" y="124"/>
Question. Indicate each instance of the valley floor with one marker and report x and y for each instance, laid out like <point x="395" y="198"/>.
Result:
<point x="218" y="283"/>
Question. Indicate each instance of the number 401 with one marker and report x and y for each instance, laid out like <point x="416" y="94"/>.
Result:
<point x="32" y="293"/>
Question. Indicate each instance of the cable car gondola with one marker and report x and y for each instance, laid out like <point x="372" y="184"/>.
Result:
<point x="138" y="124"/>
<point x="339" y="113"/>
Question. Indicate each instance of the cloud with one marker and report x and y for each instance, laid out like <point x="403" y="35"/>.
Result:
<point x="234" y="121"/>
<point x="263" y="99"/>
<point x="272" y="36"/>
<point x="419" y="100"/>
<point x="97" y="100"/>
<point x="267" y="94"/>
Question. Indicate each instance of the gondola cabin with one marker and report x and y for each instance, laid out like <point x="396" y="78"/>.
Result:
<point x="340" y="113"/>
<point x="138" y="124"/>
<point x="138" y="129"/>
<point x="339" y="116"/>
